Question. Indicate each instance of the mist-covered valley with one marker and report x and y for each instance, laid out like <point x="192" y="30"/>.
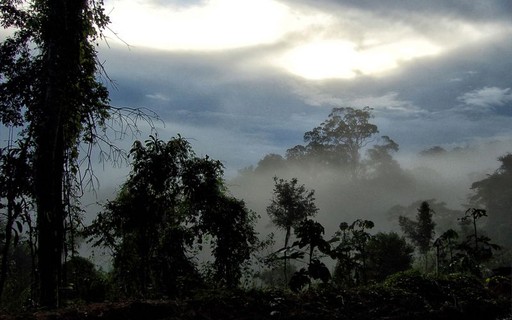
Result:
<point x="443" y="176"/>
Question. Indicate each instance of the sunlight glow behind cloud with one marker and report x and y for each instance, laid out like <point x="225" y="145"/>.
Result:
<point x="301" y="40"/>
<point x="342" y="59"/>
<point x="214" y="25"/>
<point x="322" y="59"/>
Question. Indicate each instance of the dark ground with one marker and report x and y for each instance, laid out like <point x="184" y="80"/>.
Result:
<point x="406" y="296"/>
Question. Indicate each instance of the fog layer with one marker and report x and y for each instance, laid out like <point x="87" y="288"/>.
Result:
<point x="442" y="176"/>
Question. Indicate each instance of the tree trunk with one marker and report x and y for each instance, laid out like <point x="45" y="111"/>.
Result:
<point x="48" y="182"/>
<point x="8" y="238"/>
<point x="286" y="240"/>
<point x="54" y="135"/>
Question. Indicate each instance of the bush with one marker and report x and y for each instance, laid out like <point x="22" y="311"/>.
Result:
<point x="500" y="286"/>
<point x="459" y="294"/>
<point x="413" y="281"/>
<point x="84" y="282"/>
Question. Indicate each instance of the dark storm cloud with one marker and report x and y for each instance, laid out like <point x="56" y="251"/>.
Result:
<point x="196" y="94"/>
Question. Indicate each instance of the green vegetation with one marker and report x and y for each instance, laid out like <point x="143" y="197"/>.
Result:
<point x="291" y="205"/>
<point x="172" y="201"/>
<point x="175" y="207"/>
<point x="494" y="193"/>
<point x="421" y="231"/>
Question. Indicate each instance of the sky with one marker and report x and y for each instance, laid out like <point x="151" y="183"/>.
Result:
<point x="244" y="78"/>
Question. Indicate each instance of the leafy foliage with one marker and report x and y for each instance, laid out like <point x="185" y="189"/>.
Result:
<point x="343" y="134"/>
<point x="380" y="162"/>
<point x="15" y="204"/>
<point x="446" y="246"/>
<point x="290" y="205"/>
<point x="48" y="87"/>
<point x="231" y="223"/>
<point x="421" y="231"/>
<point x="19" y="282"/>
<point x="309" y="233"/>
<point x="451" y="295"/>
<point x="351" y="252"/>
<point x="339" y="139"/>
<point x="299" y="280"/>
<point x="494" y="193"/>
<point x="468" y="254"/>
<point x="475" y="249"/>
<point x="83" y="281"/>
<point x="388" y="253"/>
<point x="170" y="201"/>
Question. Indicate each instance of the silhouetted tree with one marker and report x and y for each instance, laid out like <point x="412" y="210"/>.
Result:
<point x="445" y="250"/>
<point x="351" y="252"/>
<point x="231" y="224"/>
<point x="444" y="217"/>
<point x="380" y="162"/>
<point x="84" y="281"/>
<point x="15" y="203"/>
<point x="494" y="193"/>
<point x="145" y="225"/>
<point x="171" y="199"/>
<point x="48" y="86"/>
<point x="338" y="143"/>
<point x="388" y="253"/>
<point x="476" y="248"/>
<point x="310" y="234"/>
<point x="421" y="231"/>
<point x="270" y="163"/>
<point x="339" y="139"/>
<point x="296" y="154"/>
<point x="290" y="205"/>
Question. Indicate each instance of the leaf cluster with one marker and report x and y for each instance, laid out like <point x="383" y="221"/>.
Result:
<point x="291" y="203"/>
<point x="170" y="202"/>
<point x="468" y="254"/>
<point x="421" y="231"/>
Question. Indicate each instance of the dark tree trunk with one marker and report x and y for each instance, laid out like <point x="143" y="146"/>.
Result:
<point x="8" y="238"/>
<point x="55" y="134"/>
<point x="286" y="240"/>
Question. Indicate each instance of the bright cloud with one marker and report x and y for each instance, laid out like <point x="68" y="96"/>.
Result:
<point x="210" y="25"/>
<point x="487" y="97"/>
<point x="322" y="59"/>
<point x="307" y="42"/>
<point x="343" y="59"/>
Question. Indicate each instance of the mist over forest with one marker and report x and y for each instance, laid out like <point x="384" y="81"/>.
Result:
<point x="443" y="176"/>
